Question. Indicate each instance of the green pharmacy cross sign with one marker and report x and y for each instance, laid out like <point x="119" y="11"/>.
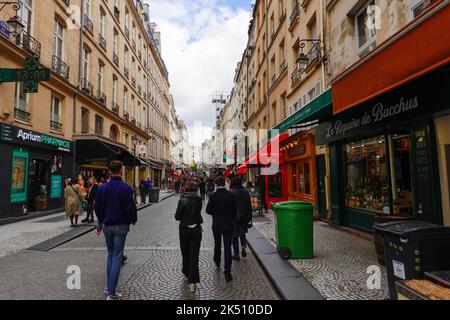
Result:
<point x="30" y="76"/>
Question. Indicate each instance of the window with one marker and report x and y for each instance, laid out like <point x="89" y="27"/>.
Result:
<point x="85" y="63"/>
<point x="98" y="125"/>
<point x="102" y="22"/>
<point x="55" y="114"/>
<point x="26" y="14"/>
<point x="116" y="41"/>
<point x="101" y="69"/>
<point x="127" y="18"/>
<point x="84" y="121"/>
<point x="366" y="27"/>
<point x="21" y="109"/>
<point x="125" y="99"/>
<point x="114" y="90"/>
<point x="87" y="8"/>
<point x="417" y="7"/>
<point x="367" y="178"/>
<point x="58" y="37"/>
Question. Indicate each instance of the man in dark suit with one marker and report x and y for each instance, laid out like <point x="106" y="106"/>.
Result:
<point x="222" y="206"/>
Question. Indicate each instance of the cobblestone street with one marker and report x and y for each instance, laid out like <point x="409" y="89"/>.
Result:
<point x="152" y="271"/>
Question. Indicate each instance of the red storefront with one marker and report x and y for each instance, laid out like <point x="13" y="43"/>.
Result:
<point x="273" y="169"/>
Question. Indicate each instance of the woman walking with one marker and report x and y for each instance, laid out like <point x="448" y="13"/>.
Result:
<point x="90" y="199"/>
<point x="72" y="201"/>
<point x="189" y="213"/>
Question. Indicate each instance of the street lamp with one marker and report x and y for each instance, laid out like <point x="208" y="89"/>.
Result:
<point x="15" y="25"/>
<point x="134" y="141"/>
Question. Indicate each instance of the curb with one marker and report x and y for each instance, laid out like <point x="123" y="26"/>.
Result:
<point x="289" y="283"/>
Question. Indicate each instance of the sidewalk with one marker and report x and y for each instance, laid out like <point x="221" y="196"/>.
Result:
<point x="35" y="230"/>
<point x="339" y="269"/>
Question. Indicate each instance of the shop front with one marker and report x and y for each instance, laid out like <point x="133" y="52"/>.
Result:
<point x="34" y="167"/>
<point x="94" y="153"/>
<point x="300" y="154"/>
<point x="383" y="155"/>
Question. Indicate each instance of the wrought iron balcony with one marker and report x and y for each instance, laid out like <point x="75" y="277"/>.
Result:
<point x="297" y="74"/>
<point x="126" y="72"/>
<point x="60" y="68"/>
<point x="283" y="66"/>
<point x="87" y="87"/>
<point x="88" y="24"/>
<point x="115" y="108"/>
<point x="294" y="15"/>
<point x="101" y="97"/>
<point x="21" y="115"/>
<point x="140" y="55"/>
<point x="28" y="43"/>
<point x="115" y="59"/>
<point x="102" y="41"/>
<point x="56" y="126"/>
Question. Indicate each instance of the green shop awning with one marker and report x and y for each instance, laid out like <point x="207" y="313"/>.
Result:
<point x="318" y="109"/>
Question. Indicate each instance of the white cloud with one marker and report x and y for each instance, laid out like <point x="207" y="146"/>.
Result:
<point x="202" y="42"/>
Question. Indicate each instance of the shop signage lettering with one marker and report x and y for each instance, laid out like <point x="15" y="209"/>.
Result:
<point x="378" y="114"/>
<point x="17" y="135"/>
<point x="301" y="150"/>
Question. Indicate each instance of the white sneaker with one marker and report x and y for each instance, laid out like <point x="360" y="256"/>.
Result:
<point x="117" y="296"/>
<point x="192" y="288"/>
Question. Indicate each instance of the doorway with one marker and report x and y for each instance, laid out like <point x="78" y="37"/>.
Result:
<point x="39" y="178"/>
<point x="321" y="181"/>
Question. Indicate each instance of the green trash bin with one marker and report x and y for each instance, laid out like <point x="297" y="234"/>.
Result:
<point x="294" y="229"/>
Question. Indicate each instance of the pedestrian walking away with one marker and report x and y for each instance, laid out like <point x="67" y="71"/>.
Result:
<point x="189" y="214"/>
<point x="116" y="211"/>
<point x="73" y="202"/>
<point x="143" y="191"/>
<point x="202" y="188"/>
<point x="244" y="217"/>
<point x="222" y="207"/>
<point x="90" y="199"/>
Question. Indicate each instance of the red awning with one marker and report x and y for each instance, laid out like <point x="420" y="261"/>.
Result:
<point x="420" y="47"/>
<point x="267" y="155"/>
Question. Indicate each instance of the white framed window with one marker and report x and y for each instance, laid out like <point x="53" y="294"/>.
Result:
<point x="25" y="13"/>
<point x="116" y="42"/>
<point x="416" y="7"/>
<point x="125" y="99"/>
<point x="366" y="31"/>
<point x="21" y="103"/>
<point x="102" y="22"/>
<point x="101" y="69"/>
<point x="55" y="114"/>
<point x="114" y="89"/>
<point x="87" y="8"/>
<point x="58" y="39"/>
<point x="85" y="63"/>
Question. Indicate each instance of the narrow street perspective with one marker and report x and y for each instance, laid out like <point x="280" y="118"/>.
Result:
<point x="197" y="152"/>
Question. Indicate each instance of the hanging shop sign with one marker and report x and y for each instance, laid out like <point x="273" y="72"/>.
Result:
<point x="419" y="98"/>
<point x="19" y="176"/>
<point x="30" y="138"/>
<point x="298" y="151"/>
<point x="4" y="31"/>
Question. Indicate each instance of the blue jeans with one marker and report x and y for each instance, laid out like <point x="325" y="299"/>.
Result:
<point x="115" y="242"/>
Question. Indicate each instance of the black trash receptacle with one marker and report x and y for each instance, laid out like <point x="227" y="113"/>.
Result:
<point x="412" y="248"/>
<point x="154" y="195"/>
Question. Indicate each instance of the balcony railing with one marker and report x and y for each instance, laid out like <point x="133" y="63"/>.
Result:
<point x="140" y="55"/>
<point x="115" y="108"/>
<point x="115" y="59"/>
<point x="127" y="33"/>
<point x="101" y="97"/>
<point x="60" y="68"/>
<point x="283" y="66"/>
<point x="88" y="24"/>
<point x="297" y="74"/>
<point x="295" y="14"/>
<point x="102" y="41"/>
<point x="56" y="126"/>
<point x="126" y="72"/>
<point x="21" y="115"/>
<point x="87" y="87"/>
<point x="28" y="43"/>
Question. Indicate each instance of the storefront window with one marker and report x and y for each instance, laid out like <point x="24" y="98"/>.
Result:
<point x="307" y="179"/>
<point x="301" y="179"/>
<point x="275" y="186"/>
<point x="367" y="177"/>
<point x="294" y="178"/>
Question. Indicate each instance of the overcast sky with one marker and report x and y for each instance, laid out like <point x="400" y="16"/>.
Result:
<point x="202" y="42"/>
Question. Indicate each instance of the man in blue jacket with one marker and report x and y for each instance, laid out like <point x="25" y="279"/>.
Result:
<point x="222" y="206"/>
<point x="115" y="210"/>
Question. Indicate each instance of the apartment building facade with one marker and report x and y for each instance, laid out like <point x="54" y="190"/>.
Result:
<point x="107" y="99"/>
